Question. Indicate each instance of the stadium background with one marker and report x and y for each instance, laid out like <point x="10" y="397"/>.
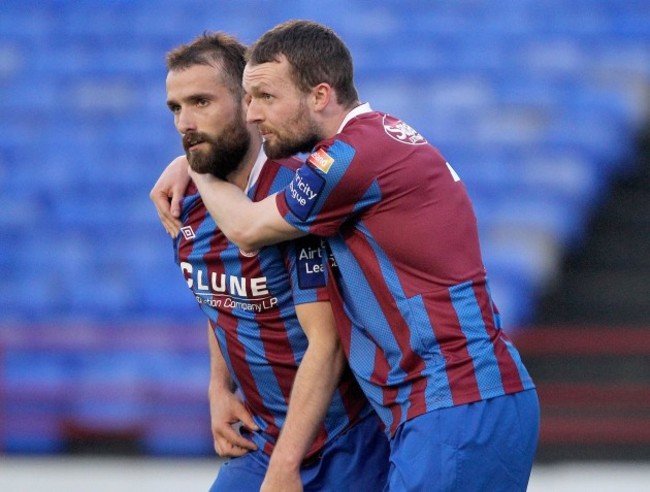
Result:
<point x="541" y="107"/>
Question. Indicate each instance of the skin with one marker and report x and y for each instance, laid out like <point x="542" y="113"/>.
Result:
<point x="310" y="397"/>
<point x="226" y="408"/>
<point x="286" y="117"/>
<point x="281" y="112"/>
<point x="272" y="99"/>
<point x="201" y="103"/>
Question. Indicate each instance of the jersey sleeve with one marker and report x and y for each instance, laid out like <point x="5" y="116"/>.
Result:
<point x="306" y="257"/>
<point x="332" y="185"/>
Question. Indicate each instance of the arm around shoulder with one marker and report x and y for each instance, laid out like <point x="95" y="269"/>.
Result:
<point x="250" y="225"/>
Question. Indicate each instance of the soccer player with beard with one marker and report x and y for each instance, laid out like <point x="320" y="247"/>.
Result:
<point x="414" y="308"/>
<point x="277" y="367"/>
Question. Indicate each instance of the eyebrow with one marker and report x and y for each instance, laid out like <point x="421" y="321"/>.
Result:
<point x="200" y="95"/>
<point x="193" y="98"/>
<point x="256" y="88"/>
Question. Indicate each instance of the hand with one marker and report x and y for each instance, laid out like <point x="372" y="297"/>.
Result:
<point x="280" y="479"/>
<point x="226" y="411"/>
<point x="168" y="192"/>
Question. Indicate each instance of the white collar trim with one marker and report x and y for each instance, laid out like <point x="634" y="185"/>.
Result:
<point x="361" y="109"/>
<point x="257" y="169"/>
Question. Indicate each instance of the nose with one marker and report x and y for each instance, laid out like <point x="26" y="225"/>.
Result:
<point x="185" y="122"/>
<point x="253" y="113"/>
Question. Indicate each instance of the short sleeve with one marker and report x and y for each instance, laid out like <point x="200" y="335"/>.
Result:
<point x="306" y="260"/>
<point x="332" y="185"/>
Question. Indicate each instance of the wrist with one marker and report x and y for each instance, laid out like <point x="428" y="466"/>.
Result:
<point x="205" y="177"/>
<point x="221" y="386"/>
<point x="289" y="462"/>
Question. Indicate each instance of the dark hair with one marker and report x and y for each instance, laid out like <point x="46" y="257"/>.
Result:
<point x="314" y="52"/>
<point x="216" y="49"/>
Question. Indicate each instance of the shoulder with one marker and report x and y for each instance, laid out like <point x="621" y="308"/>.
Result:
<point x="383" y="128"/>
<point x="275" y="175"/>
<point x="377" y="136"/>
<point x="365" y="132"/>
<point x="290" y="163"/>
<point x="363" y="137"/>
<point x="191" y="189"/>
<point x="191" y="199"/>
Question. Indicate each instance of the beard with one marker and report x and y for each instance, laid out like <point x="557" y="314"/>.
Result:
<point x="225" y="154"/>
<point x="303" y="137"/>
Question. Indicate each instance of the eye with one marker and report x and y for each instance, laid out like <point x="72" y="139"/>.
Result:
<point x="174" y="108"/>
<point x="201" y="103"/>
<point x="266" y="96"/>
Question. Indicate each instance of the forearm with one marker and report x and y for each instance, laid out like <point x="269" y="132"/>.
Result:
<point x="226" y="408"/>
<point x="310" y="399"/>
<point x="250" y="225"/>
<point x="220" y="378"/>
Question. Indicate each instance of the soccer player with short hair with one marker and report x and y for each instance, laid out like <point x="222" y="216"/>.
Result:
<point x="276" y="361"/>
<point x="414" y="309"/>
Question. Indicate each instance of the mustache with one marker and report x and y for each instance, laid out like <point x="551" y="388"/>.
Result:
<point x="193" y="138"/>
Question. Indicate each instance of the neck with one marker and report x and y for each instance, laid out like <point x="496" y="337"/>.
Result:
<point x="333" y="118"/>
<point x="240" y="177"/>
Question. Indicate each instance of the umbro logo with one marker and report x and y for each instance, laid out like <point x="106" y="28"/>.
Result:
<point x="188" y="232"/>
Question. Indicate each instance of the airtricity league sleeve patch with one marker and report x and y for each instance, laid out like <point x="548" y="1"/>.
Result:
<point x="302" y="192"/>
<point x="310" y="255"/>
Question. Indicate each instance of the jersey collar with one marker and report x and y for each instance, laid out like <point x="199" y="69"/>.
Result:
<point x="257" y="169"/>
<point x="360" y="109"/>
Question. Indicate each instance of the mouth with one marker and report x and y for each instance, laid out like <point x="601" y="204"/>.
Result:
<point x="265" y="132"/>
<point x="191" y="142"/>
<point x="194" y="147"/>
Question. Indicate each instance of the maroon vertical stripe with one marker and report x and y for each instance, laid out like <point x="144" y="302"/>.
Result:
<point x="350" y="391"/>
<point x="379" y="377"/>
<point x="410" y="362"/>
<point x="237" y="352"/>
<point x="237" y="355"/>
<point x="453" y="346"/>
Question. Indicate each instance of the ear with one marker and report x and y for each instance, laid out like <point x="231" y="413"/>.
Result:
<point x="321" y="95"/>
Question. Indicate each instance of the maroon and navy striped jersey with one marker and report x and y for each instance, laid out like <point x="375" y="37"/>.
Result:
<point x="249" y="300"/>
<point x="416" y="316"/>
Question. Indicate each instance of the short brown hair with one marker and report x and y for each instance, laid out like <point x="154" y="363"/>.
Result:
<point x="315" y="53"/>
<point x="216" y="49"/>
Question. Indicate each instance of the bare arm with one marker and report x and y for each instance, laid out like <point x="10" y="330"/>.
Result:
<point x="226" y="408"/>
<point x="316" y="380"/>
<point x="168" y="192"/>
<point x="250" y="225"/>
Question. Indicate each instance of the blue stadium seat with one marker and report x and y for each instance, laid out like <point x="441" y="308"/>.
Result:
<point x="534" y="104"/>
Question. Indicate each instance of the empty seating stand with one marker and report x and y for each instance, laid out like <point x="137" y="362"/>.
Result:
<point x="533" y="103"/>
